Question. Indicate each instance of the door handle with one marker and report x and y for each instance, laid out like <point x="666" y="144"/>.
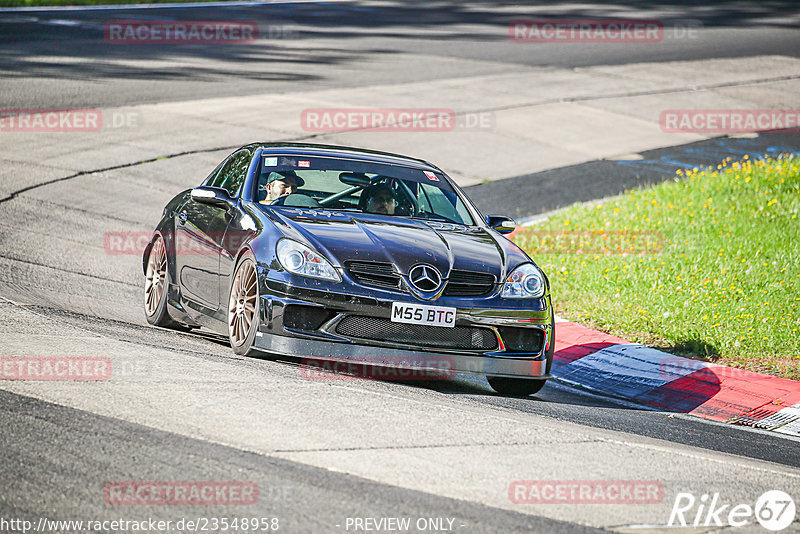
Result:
<point x="182" y="217"/>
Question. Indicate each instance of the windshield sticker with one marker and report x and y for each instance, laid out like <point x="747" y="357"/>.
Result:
<point x="430" y="175"/>
<point x="270" y="162"/>
<point x="303" y="163"/>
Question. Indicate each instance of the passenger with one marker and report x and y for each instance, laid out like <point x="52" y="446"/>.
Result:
<point x="281" y="184"/>
<point x="378" y="199"/>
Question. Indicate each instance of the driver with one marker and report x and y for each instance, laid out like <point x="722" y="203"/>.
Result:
<point x="378" y="199"/>
<point x="281" y="184"/>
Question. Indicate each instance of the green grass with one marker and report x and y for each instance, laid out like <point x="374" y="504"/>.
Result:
<point x="42" y="3"/>
<point x="705" y="266"/>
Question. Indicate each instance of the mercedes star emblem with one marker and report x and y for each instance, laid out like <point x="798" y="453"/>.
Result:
<point x="425" y="278"/>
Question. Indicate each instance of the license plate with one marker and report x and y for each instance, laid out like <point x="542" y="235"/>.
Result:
<point x="403" y="312"/>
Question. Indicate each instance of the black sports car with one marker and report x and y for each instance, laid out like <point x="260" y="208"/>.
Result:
<point x="341" y="254"/>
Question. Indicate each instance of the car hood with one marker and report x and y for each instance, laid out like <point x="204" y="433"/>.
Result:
<point x="404" y="242"/>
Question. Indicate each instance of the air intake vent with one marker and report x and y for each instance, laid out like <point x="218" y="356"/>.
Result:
<point x="469" y="284"/>
<point x="373" y="273"/>
<point x="377" y="329"/>
<point x="302" y="317"/>
<point x="522" y="339"/>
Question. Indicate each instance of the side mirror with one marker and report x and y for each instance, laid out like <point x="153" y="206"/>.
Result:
<point x="501" y="224"/>
<point x="213" y="196"/>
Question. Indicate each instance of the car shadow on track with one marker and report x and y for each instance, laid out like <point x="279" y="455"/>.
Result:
<point x="683" y="393"/>
<point x="444" y="383"/>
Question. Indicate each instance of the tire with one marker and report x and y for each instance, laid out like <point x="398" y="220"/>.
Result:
<point x="522" y="387"/>
<point x="518" y="387"/>
<point x="156" y="285"/>
<point x="244" y="306"/>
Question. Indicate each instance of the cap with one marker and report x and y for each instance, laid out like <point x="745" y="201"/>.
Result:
<point x="283" y="175"/>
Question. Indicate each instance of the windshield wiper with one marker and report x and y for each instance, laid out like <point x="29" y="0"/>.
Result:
<point x="435" y="217"/>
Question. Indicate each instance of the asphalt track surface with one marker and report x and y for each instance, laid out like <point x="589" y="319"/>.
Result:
<point x="53" y="60"/>
<point x="56" y="457"/>
<point x="305" y="498"/>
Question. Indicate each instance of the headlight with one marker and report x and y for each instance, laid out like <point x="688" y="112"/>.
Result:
<point x="299" y="259"/>
<point x="524" y="282"/>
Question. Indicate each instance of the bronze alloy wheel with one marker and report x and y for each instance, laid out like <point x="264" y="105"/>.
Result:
<point x="242" y="305"/>
<point x="155" y="278"/>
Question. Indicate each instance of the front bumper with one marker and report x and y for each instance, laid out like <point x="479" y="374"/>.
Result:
<point x="426" y="361"/>
<point x="326" y="343"/>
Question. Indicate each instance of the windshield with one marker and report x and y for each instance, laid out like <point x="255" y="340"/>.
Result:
<point x="358" y="186"/>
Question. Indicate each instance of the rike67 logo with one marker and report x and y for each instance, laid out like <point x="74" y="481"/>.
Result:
<point x="774" y="510"/>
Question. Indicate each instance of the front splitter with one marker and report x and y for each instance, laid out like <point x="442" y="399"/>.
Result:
<point x="405" y="359"/>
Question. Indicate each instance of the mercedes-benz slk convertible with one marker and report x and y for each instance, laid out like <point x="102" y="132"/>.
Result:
<point x="339" y="254"/>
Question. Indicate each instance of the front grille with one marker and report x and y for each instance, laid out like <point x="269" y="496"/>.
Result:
<point x="373" y="273"/>
<point x="458" y="337"/>
<point x="521" y="339"/>
<point x="469" y="284"/>
<point x="302" y="317"/>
